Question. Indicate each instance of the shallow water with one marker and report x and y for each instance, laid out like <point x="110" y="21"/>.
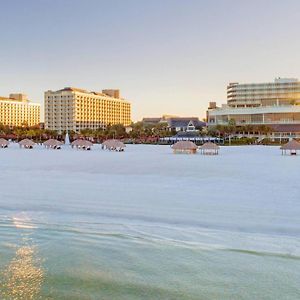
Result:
<point x="147" y="224"/>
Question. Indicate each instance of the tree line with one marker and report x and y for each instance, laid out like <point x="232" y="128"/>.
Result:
<point x="138" y="132"/>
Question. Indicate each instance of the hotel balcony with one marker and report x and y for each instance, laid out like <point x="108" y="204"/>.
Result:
<point x="255" y="110"/>
<point x="243" y="123"/>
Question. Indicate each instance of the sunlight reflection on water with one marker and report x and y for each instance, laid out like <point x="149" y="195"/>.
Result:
<point x="22" y="278"/>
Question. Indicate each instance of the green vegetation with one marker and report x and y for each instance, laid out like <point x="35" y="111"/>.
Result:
<point x="138" y="132"/>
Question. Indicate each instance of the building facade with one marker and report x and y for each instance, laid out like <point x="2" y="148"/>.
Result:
<point x="185" y="124"/>
<point x="17" y="110"/>
<point x="275" y="104"/>
<point x="76" y="109"/>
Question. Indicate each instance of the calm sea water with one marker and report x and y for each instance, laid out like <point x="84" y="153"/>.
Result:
<point x="147" y="224"/>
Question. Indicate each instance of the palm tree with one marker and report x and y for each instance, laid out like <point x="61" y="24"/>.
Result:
<point x="161" y="130"/>
<point x="248" y="129"/>
<point x="231" y="128"/>
<point x="31" y="133"/>
<point x="19" y="132"/>
<point x="221" y="129"/>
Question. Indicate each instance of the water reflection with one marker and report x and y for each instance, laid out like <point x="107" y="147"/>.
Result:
<point x="22" y="278"/>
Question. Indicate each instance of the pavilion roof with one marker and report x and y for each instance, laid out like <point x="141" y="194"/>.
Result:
<point x="53" y="142"/>
<point x="27" y="142"/>
<point x="82" y="143"/>
<point x="114" y="144"/>
<point x="3" y="142"/>
<point x="185" y="145"/>
<point x="209" y="146"/>
<point x="291" y="145"/>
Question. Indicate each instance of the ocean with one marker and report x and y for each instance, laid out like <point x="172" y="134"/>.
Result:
<point x="148" y="224"/>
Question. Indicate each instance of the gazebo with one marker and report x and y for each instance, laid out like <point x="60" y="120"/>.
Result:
<point x="292" y="146"/>
<point x="113" y="145"/>
<point x="209" y="148"/>
<point x="26" y="143"/>
<point x="184" y="147"/>
<point x="53" y="144"/>
<point x="3" y="143"/>
<point x="82" y="144"/>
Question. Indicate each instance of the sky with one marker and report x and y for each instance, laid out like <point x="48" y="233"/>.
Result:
<point x="166" y="56"/>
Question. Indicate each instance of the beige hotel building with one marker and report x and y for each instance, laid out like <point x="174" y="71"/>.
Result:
<point x="17" y="110"/>
<point x="76" y="109"/>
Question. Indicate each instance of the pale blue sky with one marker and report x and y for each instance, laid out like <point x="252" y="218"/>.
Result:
<point x="166" y="56"/>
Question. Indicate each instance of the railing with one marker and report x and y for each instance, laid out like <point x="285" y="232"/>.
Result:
<point x="257" y="123"/>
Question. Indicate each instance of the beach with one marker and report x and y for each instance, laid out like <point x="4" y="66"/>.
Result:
<point x="149" y="224"/>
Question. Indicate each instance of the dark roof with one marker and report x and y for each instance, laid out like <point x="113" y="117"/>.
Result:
<point x="188" y="134"/>
<point x="73" y="89"/>
<point x="175" y="121"/>
<point x="151" y="120"/>
<point x="285" y="127"/>
<point x="184" y="122"/>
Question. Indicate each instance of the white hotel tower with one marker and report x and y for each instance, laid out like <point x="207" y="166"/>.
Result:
<point x="275" y="104"/>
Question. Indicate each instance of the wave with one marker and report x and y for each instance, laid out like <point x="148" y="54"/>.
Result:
<point x="166" y="235"/>
<point x="264" y="253"/>
<point x="206" y="240"/>
<point x="102" y="285"/>
<point x="23" y="222"/>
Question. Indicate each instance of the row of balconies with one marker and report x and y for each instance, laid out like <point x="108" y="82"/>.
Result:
<point x="18" y="115"/>
<point x="96" y="117"/>
<point x="265" y="85"/>
<point x="89" y="103"/>
<point x="286" y="90"/>
<point x="264" y="96"/>
<point x="57" y="108"/>
<point x="245" y="122"/>
<point x="80" y="100"/>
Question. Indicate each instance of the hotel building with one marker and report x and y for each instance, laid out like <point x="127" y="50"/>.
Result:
<point x="17" y="110"/>
<point x="76" y="109"/>
<point x="275" y="104"/>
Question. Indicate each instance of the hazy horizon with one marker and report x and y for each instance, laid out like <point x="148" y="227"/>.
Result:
<point x="166" y="57"/>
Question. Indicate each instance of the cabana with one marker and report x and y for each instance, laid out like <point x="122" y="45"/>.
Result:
<point x="82" y="144"/>
<point x="184" y="147"/>
<point x="113" y="145"/>
<point x="209" y="148"/>
<point x="53" y="144"/>
<point x="3" y="143"/>
<point x="292" y="146"/>
<point x="26" y="143"/>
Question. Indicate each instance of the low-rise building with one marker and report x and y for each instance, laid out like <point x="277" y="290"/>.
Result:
<point x="186" y="124"/>
<point x="17" y="110"/>
<point x="76" y="109"/>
